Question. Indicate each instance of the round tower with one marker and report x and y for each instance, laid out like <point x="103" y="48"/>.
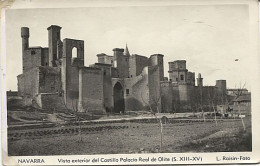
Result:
<point x="157" y="59"/>
<point x="221" y="85"/>
<point x="25" y="34"/>
<point x="199" y="80"/>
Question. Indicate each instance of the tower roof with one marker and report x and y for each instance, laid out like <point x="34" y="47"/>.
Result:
<point x="126" y="52"/>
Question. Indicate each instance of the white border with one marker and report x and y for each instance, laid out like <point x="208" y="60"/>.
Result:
<point x="208" y="158"/>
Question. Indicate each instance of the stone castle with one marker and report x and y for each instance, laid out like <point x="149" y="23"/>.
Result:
<point x="54" y="78"/>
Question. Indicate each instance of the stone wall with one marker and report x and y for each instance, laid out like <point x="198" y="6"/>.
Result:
<point x="191" y="78"/>
<point x="28" y="82"/>
<point x="137" y="64"/>
<point x="107" y="85"/>
<point x="50" y="101"/>
<point x="49" y="79"/>
<point x="69" y="69"/>
<point x="45" y="57"/>
<point x="92" y="92"/>
<point x="32" y="58"/>
<point x="167" y="97"/>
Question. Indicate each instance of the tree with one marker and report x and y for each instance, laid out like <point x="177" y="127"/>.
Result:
<point x="212" y="98"/>
<point x="155" y="102"/>
<point x="238" y="93"/>
<point x="75" y="112"/>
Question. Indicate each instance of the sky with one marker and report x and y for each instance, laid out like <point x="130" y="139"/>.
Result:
<point x="209" y="37"/>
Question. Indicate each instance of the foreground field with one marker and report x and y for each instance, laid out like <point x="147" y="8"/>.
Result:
<point x="228" y="135"/>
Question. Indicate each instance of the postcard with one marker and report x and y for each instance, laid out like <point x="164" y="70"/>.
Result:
<point x="130" y="82"/>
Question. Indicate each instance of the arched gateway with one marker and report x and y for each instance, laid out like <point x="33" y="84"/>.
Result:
<point x="119" y="101"/>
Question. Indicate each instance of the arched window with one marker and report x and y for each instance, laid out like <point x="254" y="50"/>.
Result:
<point x="74" y="52"/>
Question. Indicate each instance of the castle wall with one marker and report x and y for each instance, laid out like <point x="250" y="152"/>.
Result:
<point x="92" y="90"/>
<point x="184" y="92"/>
<point x="175" y="97"/>
<point x="167" y="97"/>
<point x="107" y="85"/>
<point x="32" y="58"/>
<point x="154" y="87"/>
<point x="114" y="72"/>
<point x="49" y="81"/>
<point x="69" y="69"/>
<point x="50" y="101"/>
<point x="28" y="83"/>
<point x="191" y="78"/>
<point x="137" y="96"/>
<point x="45" y="57"/>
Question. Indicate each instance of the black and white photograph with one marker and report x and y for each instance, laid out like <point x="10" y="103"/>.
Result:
<point x="140" y="79"/>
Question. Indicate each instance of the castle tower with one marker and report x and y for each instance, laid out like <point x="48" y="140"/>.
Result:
<point x="199" y="80"/>
<point x="25" y="34"/>
<point x="177" y="71"/>
<point x="54" y="37"/>
<point x="157" y="59"/>
<point x="121" y="62"/>
<point x="222" y="86"/>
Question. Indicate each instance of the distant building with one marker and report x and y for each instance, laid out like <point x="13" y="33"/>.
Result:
<point x="242" y="104"/>
<point x="234" y="92"/>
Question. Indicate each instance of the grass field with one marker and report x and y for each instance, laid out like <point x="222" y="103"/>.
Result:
<point x="227" y="136"/>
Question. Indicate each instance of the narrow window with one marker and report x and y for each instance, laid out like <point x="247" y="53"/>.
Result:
<point x="32" y="52"/>
<point x="182" y="77"/>
<point x="127" y="91"/>
<point x="105" y="72"/>
<point x="176" y="79"/>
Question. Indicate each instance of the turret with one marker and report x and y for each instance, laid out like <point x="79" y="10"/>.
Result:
<point x="199" y="80"/>
<point x="118" y="55"/>
<point x="25" y="34"/>
<point x="118" y="52"/>
<point x="54" y="37"/>
<point x="222" y="86"/>
<point x="121" y="62"/>
<point x="177" y="71"/>
<point x="157" y="59"/>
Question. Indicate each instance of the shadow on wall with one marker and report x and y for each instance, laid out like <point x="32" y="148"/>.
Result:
<point x="134" y="105"/>
<point x="73" y="94"/>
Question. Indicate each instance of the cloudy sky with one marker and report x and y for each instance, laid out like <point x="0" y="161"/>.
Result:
<point x="209" y="37"/>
